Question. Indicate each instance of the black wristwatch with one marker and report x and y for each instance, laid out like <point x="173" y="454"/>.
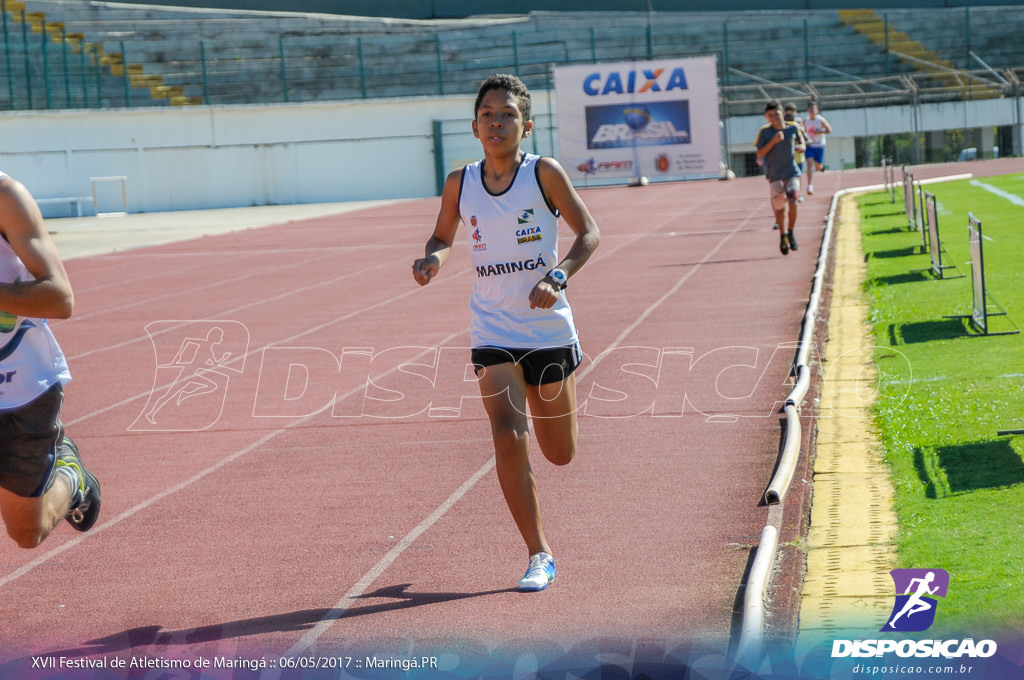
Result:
<point x="557" y="278"/>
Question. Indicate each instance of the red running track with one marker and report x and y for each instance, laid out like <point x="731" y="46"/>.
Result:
<point x="327" y="489"/>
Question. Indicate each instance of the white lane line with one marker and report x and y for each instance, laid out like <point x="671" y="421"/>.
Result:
<point x="1012" y="198"/>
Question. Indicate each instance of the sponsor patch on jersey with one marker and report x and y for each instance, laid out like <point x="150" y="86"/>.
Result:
<point x="528" y="234"/>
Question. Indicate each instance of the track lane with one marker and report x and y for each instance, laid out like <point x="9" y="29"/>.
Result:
<point x="642" y="269"/>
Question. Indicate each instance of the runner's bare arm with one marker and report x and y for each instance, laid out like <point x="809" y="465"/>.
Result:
<point x="559" y="190"/>
<point x="563" y="197"/>
<point x="49" y="295"/>
<point x="439" y="245"/>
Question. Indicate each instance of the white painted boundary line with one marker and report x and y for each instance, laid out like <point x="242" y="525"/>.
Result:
<point x="1012" y="198"/>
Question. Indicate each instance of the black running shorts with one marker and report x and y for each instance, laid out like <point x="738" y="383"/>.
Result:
<point x="29" y="436"/>
<point x="540" y="366"/>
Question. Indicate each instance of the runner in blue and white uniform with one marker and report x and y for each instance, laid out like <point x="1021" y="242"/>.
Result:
<point x="42" y="479"/>
<point x="525" y="345"/>
<point x="817" y="127"/>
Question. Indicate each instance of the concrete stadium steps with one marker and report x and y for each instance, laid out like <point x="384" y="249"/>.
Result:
<point x="880" y="30"/>
<point x="952" y="33"/>
<point x="63" y="63"/>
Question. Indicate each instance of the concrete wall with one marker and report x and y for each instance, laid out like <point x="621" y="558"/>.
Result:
<point x="232" y="156"/>
<point x="849" y="124"/>
<point x="206" y="157"/>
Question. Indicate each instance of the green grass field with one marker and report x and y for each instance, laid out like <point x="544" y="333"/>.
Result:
<point x="944" y="392"/>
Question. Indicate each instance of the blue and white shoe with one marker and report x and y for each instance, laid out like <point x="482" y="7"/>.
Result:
<point x="539" y="574"/>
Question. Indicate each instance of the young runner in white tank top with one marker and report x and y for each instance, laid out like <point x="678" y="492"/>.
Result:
<point x="524" y="339"/>
<point x="42" y="479"/>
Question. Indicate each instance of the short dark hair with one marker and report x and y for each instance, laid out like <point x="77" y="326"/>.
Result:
<point x="510" y="83"/>
<point x="772" y="105"/>
<point x="790" y="106"/>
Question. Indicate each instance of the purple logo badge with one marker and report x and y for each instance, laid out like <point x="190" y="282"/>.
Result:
<point x="916" y="590"/>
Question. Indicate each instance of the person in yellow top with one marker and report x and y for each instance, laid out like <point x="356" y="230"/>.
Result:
<point x="789" y="114"/>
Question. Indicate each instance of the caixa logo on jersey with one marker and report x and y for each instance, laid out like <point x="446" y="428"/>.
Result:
<point x="913" y="611"/>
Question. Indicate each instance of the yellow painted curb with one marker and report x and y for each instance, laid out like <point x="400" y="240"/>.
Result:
<point x="851" y="545"/>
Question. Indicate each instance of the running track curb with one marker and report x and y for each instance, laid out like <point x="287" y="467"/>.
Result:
<point x="748" y="649"/>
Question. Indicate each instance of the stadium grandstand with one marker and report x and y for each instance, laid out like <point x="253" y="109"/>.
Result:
<point x="938" y="80"/>
<point x="74" y="54"/>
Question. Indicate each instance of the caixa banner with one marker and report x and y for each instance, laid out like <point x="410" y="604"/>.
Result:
<point x="654" y="119"/>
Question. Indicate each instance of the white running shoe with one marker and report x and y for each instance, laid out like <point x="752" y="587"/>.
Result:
<point x="810" y="189"/>
<point x="539" y="574"/>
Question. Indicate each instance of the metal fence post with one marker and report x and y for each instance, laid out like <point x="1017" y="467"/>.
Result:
<point x="99" y="76"/>
<point x="917" y="126"/>
<point x="440" y="66"/>
<point x="28" y="64"/>
<point x="284" y="68"/>
<point x="885" y="34"/>
<point x="206" y="79"/>
<point x="125" y="78"/>
<point x="725" y="53"/>
<point x="439" y="169"/>
<point x="67" y="71"/>
<point x="650" y="33"/>
<point x="362" y="67"/>
<point x="83" y="62"/>
<point x="515" y="52"/>
<point x="967" y="36"/>
<point x="7" y="54"/>
<point x="807" y="55"/>
<point x="1018" y="130"/>
<point x="551" y="118"/>
<point x="46" y="66"/>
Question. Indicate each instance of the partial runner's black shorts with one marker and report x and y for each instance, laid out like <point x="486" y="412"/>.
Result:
<point x="29" y="436"/>
<point x="540" y="366"/>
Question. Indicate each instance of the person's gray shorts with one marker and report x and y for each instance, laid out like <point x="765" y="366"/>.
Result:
<point x="29" y="436"/>
<point x="783" y="190"/>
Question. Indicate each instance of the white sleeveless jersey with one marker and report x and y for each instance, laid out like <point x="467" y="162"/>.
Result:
<point x="513" y="244"/>
<point x="815" y="127"/>
<point x="31" y="361"/>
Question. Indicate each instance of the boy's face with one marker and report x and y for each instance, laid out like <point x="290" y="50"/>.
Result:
<point x="774" y="116"/>
<point x="790" y="114"/>
<point x="499" y="123"/>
